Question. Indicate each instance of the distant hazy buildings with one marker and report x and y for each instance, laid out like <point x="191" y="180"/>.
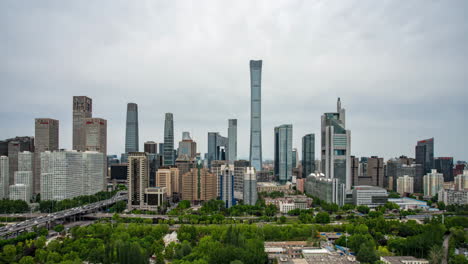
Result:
<point x="425" y="154"/>
<point x="47" y="139"/>
<point x="444" y="165"/>
<point x="131" y="128"/>
<point x="336" y="146"/>
<point x="250" y="186"/>
<point x="232" y="140"/>
<point x="405" y="185"/>
<point x="283" y="153"/>
<point x="256" y="114"/>
<point x="308" y="155"/>
<point x="226" y="185"/>
<point x="4" y="177"/>
<point x="169" y="155"/>
<point x="187" y="146"/>
<point x="82" y="108"/>
<point x="432" y="183"/>
<point x="67" y="174"/>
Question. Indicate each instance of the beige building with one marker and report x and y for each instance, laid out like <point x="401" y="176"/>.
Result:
<point x="95" y="134"/>
<point x="216" y="170"/>
<point x="46" y="139"/>
<point x="405" y="184"/>
<point x="82" y="108"/>
<point x="164" y="180"/>
<point x="176" y="181"/>
<point x="461" y="181"/>
<point x="433" y="182"/>
<point x="199" y="185"/>
<point x="403" y="260"/>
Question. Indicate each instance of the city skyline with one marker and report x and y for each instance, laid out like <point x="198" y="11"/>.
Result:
<point x="386" y="110"/>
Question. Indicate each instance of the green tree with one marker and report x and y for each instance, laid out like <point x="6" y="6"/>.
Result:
<point x="59" y="228"/>
<point x="367" y="252"/>
<point x="363" y="209"/>
<point x="436" y="254"/>
<point x="322" y="218"/>
<point x="27" y="260"/>
<point x="282" y="219"/>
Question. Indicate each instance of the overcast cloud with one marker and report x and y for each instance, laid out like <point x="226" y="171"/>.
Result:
<point x="400" y="68"/>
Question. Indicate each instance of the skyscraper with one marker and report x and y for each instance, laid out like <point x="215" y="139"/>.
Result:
<point x="232" y="141"/>
<point x="425" y="154"/>
<point x="131" y="131"/>
<point x="95" y="131"/>
<point x="4" y="177"/>
<point x="239" y="170"/>
<point x="187" y="146"/>
<point x="14" y="147"/>
<point x="295" y="159"/>
<point x="82" y="108"/>
<point x="217" y="147"/>
<point x="283" y="153"/>
<point x="169" y="157"/>
<point x="250" y="186"/>
<point x="256" y="114"/>
<point x="405" y="185"/>
<point x="226" y="185"/>
<point x="444" y="165"/>
<point x="336" y="146"/>
<point x="138" y="179"/>
<point x="308" y="155"/>
<point x="433" y="182"/>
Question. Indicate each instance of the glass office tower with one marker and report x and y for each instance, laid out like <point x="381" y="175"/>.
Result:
<point x="256" y="114"/>
<point x="308" y="155"/>
<point x="169" y="155"/>
<point x="131" y="132"/>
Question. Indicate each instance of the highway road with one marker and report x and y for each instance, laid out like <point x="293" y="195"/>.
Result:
<point x="44" y="220"/>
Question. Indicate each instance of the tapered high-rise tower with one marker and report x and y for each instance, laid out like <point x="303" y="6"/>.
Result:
<point x="256" y="114"/>
<point x="82" y="108"/>
<point x="131" y="132"/>
<point x="169" y="157"/>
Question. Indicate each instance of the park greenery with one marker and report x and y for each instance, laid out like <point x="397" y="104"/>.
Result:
<point x="13" y="206"/>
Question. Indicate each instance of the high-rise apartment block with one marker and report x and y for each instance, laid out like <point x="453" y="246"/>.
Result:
<point x="425" y="154"/>
<point x="22" y="189"/>
<point x="308" y="155"/>
<point x="164" y="179"/>
<point x="250" y="186"/>
<point x="405" y="185"/>
<point x="95" y="134"/>
<point x="4" y="177"/>
<point x="199" y="185"/>
<point x="432" y="183"/>
<point x="256" y="114"/>
<point x="461" y="181"/>
<point x="131" y="129"/>
<point x="47" y="139"/>
<point x="336" y="147"/>
<point x="226" y="185"/>
<point x="283" y="153"/>
<point x="67" y="174"/>
<point x="169" y="155"/>
<point x="232" y="141"/>
<point x="82" y="108"/>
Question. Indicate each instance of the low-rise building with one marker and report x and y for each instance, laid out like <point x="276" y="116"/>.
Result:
<point x="450" y="197"/>
<point x="406" y="203"/>
<point x="326" y="189"/>
<point x="290" y="202"/>
<point x="370" y="196"/>
<point x="403" y="260"/>
<point x="273" y="187"/>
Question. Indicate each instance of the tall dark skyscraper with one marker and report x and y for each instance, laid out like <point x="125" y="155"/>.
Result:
<point x="308" y="155"/>
<point x="256" y="114"/>
<point x="232" y="138"/>
<point x="283" y="153"/>
<point x="46" y="139"/>
<point x="82" y="108"/>
<point x="217" y="147"/>
<point x="444" y="165"/>
<point x="151" y="147"/>
<point x="425" y="154"/>
<point x="131" y="132"/>
<point x="169" y="156"/>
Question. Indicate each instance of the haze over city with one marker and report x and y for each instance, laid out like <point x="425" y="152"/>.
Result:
<point x="399" y="68"/>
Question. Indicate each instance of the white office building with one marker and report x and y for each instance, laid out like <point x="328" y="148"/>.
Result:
<point x="4" y="177"/>
<point x="20" y="192"/>
<point x="461" y="181"/>
<point x="67" y="174"/>
<point x="25" y="161"/>
<point x="433" y="182"/>
<point x="226" y="185"/>
<point x="370" y="196"/>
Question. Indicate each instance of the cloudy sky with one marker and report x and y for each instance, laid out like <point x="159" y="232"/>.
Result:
<point x="400" y="68"/>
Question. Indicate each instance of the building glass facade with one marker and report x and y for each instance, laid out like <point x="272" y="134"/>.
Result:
<point x="131" y="132"/>
<point x="256" y="114"/>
